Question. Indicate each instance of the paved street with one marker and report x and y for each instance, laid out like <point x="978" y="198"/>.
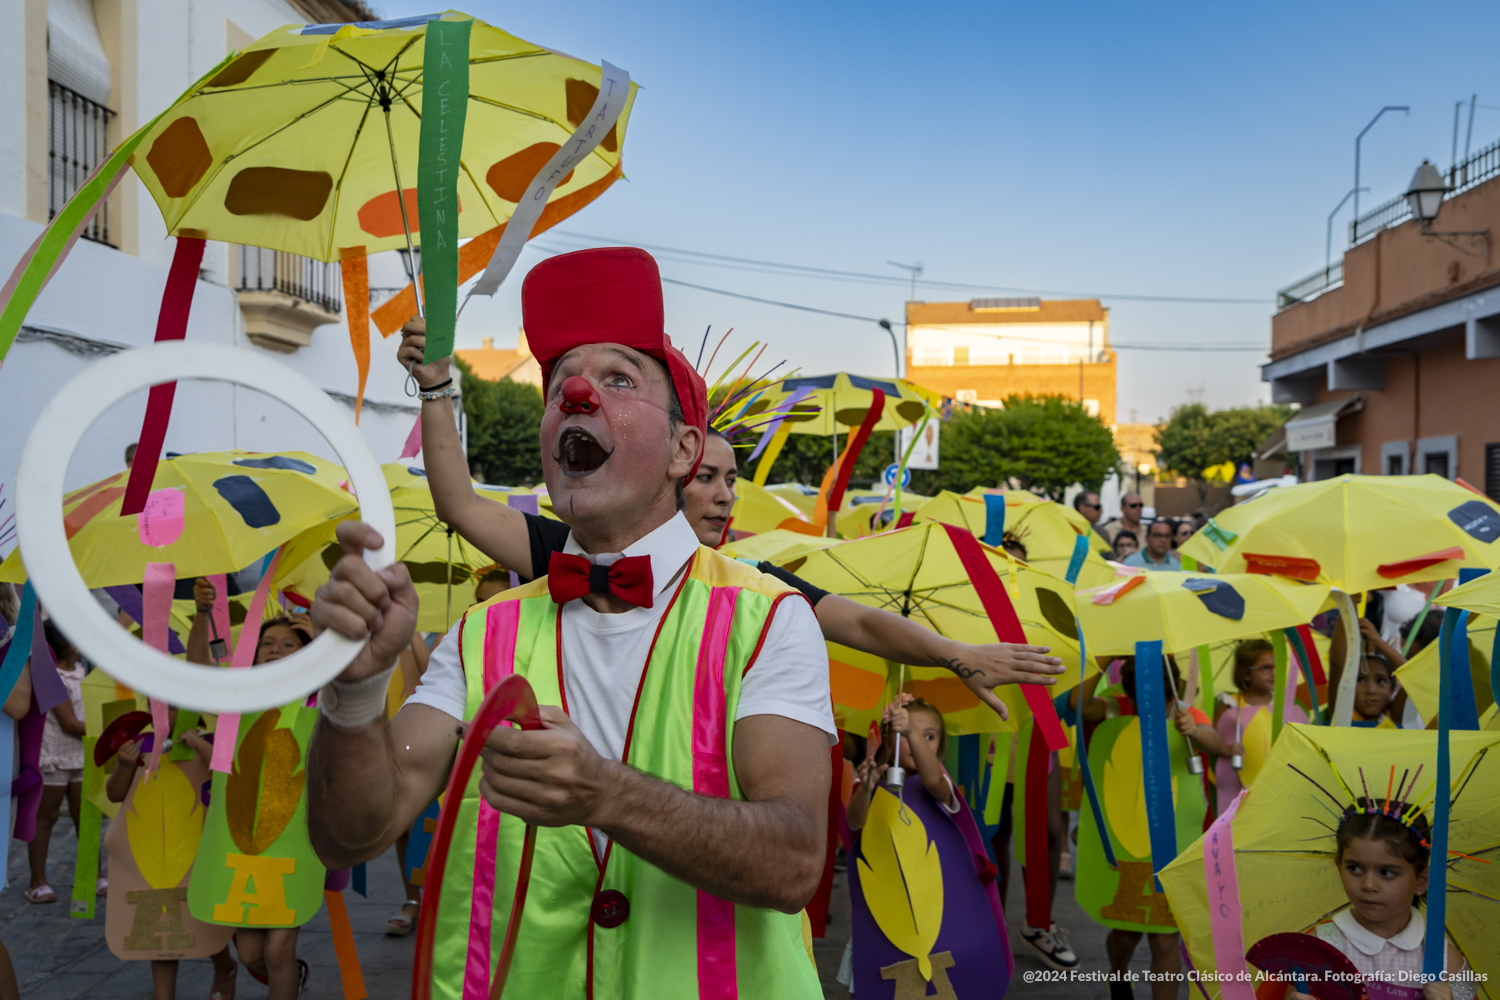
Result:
<point x="58" y="958"/>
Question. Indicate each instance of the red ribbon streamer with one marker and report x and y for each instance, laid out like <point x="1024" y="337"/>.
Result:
<point x="1266" y="565"/>
<point x="1391" y="571"/>
<point x="1314" y="661"/>
<point x="356" y="271"/>
<point x="1002" y="615"/>
<point x="171" y="324"/>
<point x="510" y="700"/>
<point x="1038" y="873"/>
<point x="817" y="907"/>
<point x="853" y="448"/>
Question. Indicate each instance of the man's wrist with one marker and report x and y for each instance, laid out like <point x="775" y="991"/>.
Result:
<point x="353" y="705"/>
<point x="616" y="787"/>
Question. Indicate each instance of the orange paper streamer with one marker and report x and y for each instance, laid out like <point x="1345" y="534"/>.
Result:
<point x="343" y="946"/>
<point x="356" y="271"/>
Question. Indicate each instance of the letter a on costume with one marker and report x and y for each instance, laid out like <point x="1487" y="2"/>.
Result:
<point x="158" y="916"/>
<point x="267" y="901"/>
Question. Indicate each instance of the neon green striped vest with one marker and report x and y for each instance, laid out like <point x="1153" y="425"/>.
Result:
<point x="676" y="941"/>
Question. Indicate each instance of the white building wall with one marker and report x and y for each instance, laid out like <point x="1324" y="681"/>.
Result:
<point x="103" y="298"/>
<point x="1006" y="343"/>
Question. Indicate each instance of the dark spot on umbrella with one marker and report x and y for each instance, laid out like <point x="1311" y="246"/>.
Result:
<point x="510" y="177"/>
<point x="180" y="157"/>
<point x="241" y="69"/>
<point x="331" y="555"/>
<point x="249" y="501"/>
<point x="436" y="572"/>
<point x="1057" y="611"/>
<point x="795" y="564"/>
<point x="277" y="462"/>
<point x="300" y="194"/>
<point x="416" y="471"/>
<point x="1218" y="596"/>
<point x="1478" y="520"/>
<point x="581" y="96"/>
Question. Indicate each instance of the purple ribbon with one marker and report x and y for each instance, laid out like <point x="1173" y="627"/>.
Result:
<point x="130" y="601"/>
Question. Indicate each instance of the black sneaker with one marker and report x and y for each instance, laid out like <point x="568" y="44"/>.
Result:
<point x="1051" y="946"/>
<point x="304" y="972"/>
<point x="1120" y="990"/>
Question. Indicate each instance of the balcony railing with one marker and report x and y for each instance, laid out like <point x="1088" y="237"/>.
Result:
<point x="77" y="142"/>
<point x="1311" y="286"/>
<point x="1477" y="169"/>
<point x="263" y="270"/>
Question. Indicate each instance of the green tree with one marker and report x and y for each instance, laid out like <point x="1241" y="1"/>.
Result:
<point x="1194" y="438"/>
<point x="505" y="420"/>
<point x="1043" y="443"/>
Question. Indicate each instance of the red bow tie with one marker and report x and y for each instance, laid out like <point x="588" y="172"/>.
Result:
<point x="570" y="577"/>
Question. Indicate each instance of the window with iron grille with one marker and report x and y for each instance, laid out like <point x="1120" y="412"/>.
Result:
<point x="77" y="142"/>
<point x="263" y="270"/>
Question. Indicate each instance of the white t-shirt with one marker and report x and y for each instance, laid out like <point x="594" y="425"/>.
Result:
<point x="604" y="656"/>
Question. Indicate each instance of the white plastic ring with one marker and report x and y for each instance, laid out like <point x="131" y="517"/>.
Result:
<point x="60" y="588"/>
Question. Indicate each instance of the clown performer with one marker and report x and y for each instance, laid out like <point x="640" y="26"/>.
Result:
<point x="680" y="782"/>
<point x="151" y="848"/>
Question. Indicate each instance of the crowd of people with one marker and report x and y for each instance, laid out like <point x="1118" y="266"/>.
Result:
<point x="679" y="778"/>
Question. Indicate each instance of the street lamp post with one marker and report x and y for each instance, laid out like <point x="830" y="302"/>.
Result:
<point x="1328" y="243"/>
<point x="1425" y="197"/>
<point x="885" y="325"/>
<point x="1388" y="107"/>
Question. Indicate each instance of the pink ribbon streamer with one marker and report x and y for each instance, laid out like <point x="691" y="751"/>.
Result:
<point x="161" y="521"/>
<point x="156" y="607"/>
<point x="501" y="623"/>
<point x="1224" y="906"/>
<point x="221" y="607"/>
<point x="413" y="440"/>
<point x="227" y="732"/>
<point x="717" y="978"/>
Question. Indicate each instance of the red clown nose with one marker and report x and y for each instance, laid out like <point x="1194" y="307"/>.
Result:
<point x="579" y="395"/>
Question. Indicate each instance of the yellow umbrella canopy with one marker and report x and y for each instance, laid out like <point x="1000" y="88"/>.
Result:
<point x="237" y="506"/>
<point x="797" y="495"/>
<point x="778" y="546"/>
<point x="1419" y="675"/>
<point x="915" y="572"/>
<point x="443" y="565"/>
<point x="1481" y="596"/>
<point x="1185" y="610"/>
<point x="758" y="509"/>
<point x="834" y="403"/>
<point x="1047" y="530"/>
<point x="1284" y="847"/>
<point x="1357" y="533"/>
<point x="290" y="146"/>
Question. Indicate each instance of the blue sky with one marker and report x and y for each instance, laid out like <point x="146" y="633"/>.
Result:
<point x="1167" y="149"/>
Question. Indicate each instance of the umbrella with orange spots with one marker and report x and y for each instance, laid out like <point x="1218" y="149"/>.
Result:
<point x="916" y="572"/>
<point x="296" y="143"/>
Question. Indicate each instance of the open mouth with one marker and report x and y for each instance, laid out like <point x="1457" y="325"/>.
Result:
<point x="578" y="454"/>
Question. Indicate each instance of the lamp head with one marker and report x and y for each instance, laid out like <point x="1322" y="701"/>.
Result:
<point x="1425" y="195"/>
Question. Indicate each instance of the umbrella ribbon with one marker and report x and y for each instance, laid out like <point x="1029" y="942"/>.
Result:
<point x="445" y="103"/>
<point x="855" y="445"/>
<point x="20" y="644"/>
<point x="1434" y="948"/>
<point x="1343" y="700"/>
<point x="227" y="731"/>
<point x="1002" y="615"/>
<point x="350" y="975"/>
<point x="1156" y="765"/>
<point x="1300" y="647"/>
<point x="130" y="600"/>
<point x="1075" y="563"/>
<point x="46" y="687"/>
<point x="1038" y="881"/>
<point x="1495" y="668"/>
<point x="156" y="607"/>
<point x="355" y="270"/>
<point x="1455" y="659"/>
<point x="1278" y="700"/>
<point x="784" y="410"/>
<point x="1224" y="914"/>
<point x="994" y="520"/>
<point x="614" y="92"/>
<point x="1082" y="753"/>
<point x="171" y="324"/>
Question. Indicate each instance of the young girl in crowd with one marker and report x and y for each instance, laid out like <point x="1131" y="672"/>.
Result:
<point x="1255" y="689"/>
<point x="1383" y="863"/>
<point x="61" y="764"/>
<point x="1373" y="693"/>
<point x="126" y="776"/>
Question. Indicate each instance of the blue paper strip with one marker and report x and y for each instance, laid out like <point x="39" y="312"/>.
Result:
<point x="358" y="879"/>
<point x="994" y="519"/>
<point x="7" y="767"/>
<point x="1435" y="948"/>
<point x="1156" y="765"/>
<point x="1083" y="762"/>
<point x="1465" y="709"/>
<point x="20" y="647"/>
<point x="1075" y="564"/>
<point x="1495" y="668"/>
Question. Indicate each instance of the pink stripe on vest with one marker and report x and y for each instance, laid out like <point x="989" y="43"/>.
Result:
<point x="502" y="621"/>
<point x="717" y="979"/>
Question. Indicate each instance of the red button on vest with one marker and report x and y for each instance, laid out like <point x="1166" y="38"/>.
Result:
<point x="611" y="908"/>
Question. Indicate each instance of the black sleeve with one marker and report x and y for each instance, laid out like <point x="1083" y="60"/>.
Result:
<point x="813" y="594"/>
<point x="547" y="536"/>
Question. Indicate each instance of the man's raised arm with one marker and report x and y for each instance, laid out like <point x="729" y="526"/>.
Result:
<point x="368" y="780"/>
<point x="495" y="529"/>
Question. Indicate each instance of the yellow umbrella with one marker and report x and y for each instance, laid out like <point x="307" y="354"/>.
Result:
<point x="1284" y="849"/>
<point x="797" y="495"/>
<point x="915" y="572"/>
<point x="778" y="546"/>
<point x="1048" y="530"/>
<point x="1419" y="675"/>
<point x="1481" y="596"/>
<point x="291" y="145"/>
<point x="758" y="509"/>
<point x="236" y="506"/>
<point x="1185" y="610"/>
<point x="1221" y="656"/>
<point x="833" y="403"/>
<point x="438" y="558"/>
<point x="1357" y="533"/>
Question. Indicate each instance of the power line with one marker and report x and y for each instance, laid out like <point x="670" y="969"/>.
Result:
<point x="749" y="263"/>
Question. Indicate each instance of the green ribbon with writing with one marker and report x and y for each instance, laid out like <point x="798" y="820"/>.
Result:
<point x="445" y="103"/>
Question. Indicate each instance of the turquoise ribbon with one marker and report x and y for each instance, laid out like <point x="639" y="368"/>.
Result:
<point x="1434" y="949"/>
<point x="1222" y="537"/>
<point x="1082" y="753"/>
<point x="1295" y="638"/>
<point x="1075" y="564"/>
<point x="994" y="519"/>
<point x="1156" y="764"/>
<point x="1465" y="707"/>
<point x="20" y="646"/>
<point x="1495" y="667"/>
<point x="445" y="104"/>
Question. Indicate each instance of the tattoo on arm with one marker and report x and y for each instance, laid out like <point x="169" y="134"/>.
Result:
<point x="957" y="666"/>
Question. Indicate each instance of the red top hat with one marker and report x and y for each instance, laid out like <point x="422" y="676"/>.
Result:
<point x="607" y="296"/>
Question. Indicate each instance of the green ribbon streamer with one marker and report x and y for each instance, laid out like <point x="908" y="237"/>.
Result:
<point x="1222" y="537"/>
<point x="86" y="863"/>
<point x="1303" y="658"/>
<point x="445" y="105"/>
<point x="1278" y="702"/>
<point x="1206" y="680"/>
